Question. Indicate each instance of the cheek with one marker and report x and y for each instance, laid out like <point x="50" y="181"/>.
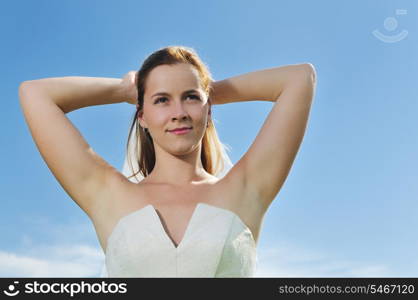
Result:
<point x="160" y="119"/>
<point x="155" y="118"/>
<point x="198" y="113"/>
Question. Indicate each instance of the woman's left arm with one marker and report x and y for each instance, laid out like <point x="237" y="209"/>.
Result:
<point x="263" y="169"/>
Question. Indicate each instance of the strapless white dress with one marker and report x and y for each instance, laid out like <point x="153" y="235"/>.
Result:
<point x="216" y="243"/>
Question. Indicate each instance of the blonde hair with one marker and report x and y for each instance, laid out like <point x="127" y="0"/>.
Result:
<point x="214" y="158"/>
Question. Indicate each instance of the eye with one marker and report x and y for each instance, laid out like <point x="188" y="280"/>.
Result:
<point x="194" y="96"/>
<point x="164" y="98"/>
<point x="158" y="100"/>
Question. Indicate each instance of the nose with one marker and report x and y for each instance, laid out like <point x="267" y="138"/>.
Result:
<point x="179" y="112"/>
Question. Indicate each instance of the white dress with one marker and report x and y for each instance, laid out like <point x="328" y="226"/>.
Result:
<point x="216" y="243"/>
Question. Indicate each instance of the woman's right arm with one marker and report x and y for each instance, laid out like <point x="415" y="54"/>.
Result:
<point x="81" y="172"/>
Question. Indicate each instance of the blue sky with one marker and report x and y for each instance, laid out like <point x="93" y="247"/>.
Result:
<point x="349" y="207"/>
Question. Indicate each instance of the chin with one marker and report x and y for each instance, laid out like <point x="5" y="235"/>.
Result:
<point x="183" y="149"/>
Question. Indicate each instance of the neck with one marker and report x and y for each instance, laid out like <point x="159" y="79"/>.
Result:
<point x="178" y="170"/>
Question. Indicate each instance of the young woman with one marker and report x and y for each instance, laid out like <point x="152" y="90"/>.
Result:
<point x="180" y="219"/>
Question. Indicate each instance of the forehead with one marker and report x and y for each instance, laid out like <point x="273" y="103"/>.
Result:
<point x="172" y="78"/>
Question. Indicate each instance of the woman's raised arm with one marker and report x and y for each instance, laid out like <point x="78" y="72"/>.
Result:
<point x="262" y="170"/>
<point x="79" y="170"/>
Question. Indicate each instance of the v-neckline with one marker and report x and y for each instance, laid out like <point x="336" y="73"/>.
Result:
<point x="189" y="226"/>
<point x="186" y="232"/>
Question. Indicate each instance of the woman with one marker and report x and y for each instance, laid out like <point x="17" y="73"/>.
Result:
<point x="179" y="219"/>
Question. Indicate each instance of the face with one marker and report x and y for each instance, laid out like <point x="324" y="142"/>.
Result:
<point x="176" y="107"/>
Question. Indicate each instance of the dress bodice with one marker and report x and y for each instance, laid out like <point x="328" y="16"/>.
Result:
<point x="216" y="243"/>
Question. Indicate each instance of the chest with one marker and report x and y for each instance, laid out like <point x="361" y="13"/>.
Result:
<point x="173" y="210"/>
<point x="139" y="248"/>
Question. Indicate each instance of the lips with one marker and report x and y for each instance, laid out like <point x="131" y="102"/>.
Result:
<point x="184" y="131"/>
<point x="180" y="129"/>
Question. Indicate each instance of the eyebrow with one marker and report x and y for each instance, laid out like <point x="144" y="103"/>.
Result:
<point x="167" y="94"/>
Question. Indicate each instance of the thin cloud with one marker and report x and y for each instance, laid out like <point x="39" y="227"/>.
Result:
<point x="63" y="252"/>
<point x="56" y="261"/>
<point x="287" y="260"/>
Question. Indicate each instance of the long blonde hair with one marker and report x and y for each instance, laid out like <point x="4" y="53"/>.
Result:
<point x="214" y="158"/>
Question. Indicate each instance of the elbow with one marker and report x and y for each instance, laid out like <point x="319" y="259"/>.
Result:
<point x="28" y="83"/>
<point x="22" y="88"/>
<point x="24" y="84"/>
<point x="25" y="89"/>
<point x="311" y="72"/>
<point x="305" y="73"/>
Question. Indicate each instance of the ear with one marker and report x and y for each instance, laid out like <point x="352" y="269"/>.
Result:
<point x="141" y="119"/>
<point x="210" y="106"/>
